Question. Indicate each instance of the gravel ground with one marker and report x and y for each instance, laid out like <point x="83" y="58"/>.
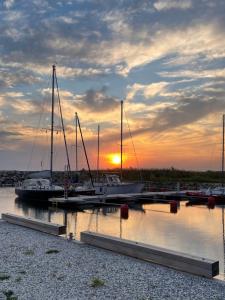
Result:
<point x="28" y="271"/>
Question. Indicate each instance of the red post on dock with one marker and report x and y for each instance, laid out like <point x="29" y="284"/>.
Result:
<point x="124" y="211"/>
<point x="211" y="202"/>
<point x="173" y="206"/>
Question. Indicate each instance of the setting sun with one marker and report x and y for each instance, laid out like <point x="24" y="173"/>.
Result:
<point x="114" y="159"/>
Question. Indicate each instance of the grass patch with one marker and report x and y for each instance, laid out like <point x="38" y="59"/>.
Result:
<point x="29" y="252"/>
<point x="96" y="282"/>
<point x="4" y="277"/>
<point x="10" y="295"/>
<point x="22" y="272"/>
<point x="18" y="279"/>
<point x="51" y="251"/>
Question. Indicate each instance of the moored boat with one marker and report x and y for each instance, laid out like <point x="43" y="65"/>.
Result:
<point x="111" y="184"/>
<point x="39" y="189"/>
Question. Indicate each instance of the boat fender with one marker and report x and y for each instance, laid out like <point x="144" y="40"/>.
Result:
<point x="124" y="211"/>
<point x="211" y="202"/>
<point x="173" y="206"/>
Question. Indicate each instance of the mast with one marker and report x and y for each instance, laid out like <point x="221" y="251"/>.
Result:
<point x="85" y="152"/>
<point x="121" y="142"/>
<point x="63" y="127"/>
<point x="76" y="145"/>
<point x="223" y="153"/>
<point x="52" y="120"/>
<point x="98" y="155"/>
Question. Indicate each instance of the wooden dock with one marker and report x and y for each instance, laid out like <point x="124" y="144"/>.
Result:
<point x="173" y="259"/>
<point x="47" y="227"/>
<point x="163" y="197"/>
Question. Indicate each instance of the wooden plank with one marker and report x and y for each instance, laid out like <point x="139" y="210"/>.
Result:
<point x="36" y="224"/>
<point x="176" y="260"/>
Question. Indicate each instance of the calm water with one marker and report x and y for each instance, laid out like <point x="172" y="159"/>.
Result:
<point x="194" y="230"/>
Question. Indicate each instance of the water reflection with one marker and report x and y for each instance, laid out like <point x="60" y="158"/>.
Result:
<point x="195" y="230"/>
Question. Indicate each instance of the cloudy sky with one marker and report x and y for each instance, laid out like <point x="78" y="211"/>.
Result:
<point x="164" y="58"/>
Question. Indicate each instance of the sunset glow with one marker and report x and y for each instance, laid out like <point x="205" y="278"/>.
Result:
<point x="168" y="70"/>
<point x="114" y="159"/>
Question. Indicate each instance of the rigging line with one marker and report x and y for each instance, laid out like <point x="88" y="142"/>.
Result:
<point x="45" y="151"/>
<point x="137" y="162"/>
<point x="37" y="129"/>
<point x="56" y="151"/>
<point x="62" y="122"/>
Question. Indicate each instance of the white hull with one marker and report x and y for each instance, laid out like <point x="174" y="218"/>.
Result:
<point x="124" y="188"/>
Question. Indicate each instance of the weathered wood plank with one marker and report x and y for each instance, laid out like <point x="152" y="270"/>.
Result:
<point x="177" y="260"/>
<point x="36" y="224"/>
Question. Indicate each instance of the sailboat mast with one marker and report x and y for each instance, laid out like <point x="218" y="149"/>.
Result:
<point x="52" y="120"/>
<point x="85" y="152"/>
<point x="223" y="152"/>
<point x="121" y="142"/>
<point x="76" y="145"/>
<point x="98" y="154"/>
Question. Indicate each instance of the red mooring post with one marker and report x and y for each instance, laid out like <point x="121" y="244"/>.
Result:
<point x="124" y="211"/>
<point x="173" y="206"/>
<point x="211" y="202"/>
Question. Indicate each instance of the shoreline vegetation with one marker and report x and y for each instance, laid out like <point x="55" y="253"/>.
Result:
<point x="156" y="178"/>
<point x="41" y="266"/>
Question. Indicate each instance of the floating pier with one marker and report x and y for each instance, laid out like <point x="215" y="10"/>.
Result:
<point x="36" y="224"/>
<point x="173" y="259"/>
<point x="163" y="197"/>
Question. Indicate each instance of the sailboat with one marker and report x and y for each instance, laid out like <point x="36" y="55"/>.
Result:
<point x="39" y="188"/>
<point x="219" y="191"/>
<point x="112" y="183"/>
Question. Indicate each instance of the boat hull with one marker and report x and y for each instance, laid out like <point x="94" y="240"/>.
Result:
<point x="38" y="195"/>
<point x="125" y="188"/>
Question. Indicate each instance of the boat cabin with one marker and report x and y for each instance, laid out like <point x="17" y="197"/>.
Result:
<point x="110" y="179"/>
<point x="34" y="184"/>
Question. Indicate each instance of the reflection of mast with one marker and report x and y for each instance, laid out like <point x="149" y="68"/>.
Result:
<point x="121" y="220"/>
<point x="223" y="242"/>
<point x="97" y="219"/>
<point x="65" y="218"/>
<point x="75" y="225"/>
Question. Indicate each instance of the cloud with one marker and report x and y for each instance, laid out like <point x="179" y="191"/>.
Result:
<point x="186" y="111"/>
<point x="10" y="77"/>
<point x="96" y="101"/>
<point x="8" y="138"/>
<point x="172" y="4"/>
<point x="149" y="91"/>
<point x="8" y="3"/>
<point x="208" y="73"/>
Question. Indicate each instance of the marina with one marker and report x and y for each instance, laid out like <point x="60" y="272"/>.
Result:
<point x="112" y="150"/>
<point x="196" y="230"/>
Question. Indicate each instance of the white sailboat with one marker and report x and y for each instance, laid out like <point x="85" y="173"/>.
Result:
<point x="39" y="188"/>
<point x="112" y="183"/>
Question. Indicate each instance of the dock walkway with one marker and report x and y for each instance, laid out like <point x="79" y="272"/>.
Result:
<point x="120" y="198"/>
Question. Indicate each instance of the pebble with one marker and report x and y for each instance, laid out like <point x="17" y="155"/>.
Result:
<point x="69" y="274"/>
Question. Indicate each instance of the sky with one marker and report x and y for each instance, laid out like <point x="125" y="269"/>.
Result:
<point x="164" y="58"/>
